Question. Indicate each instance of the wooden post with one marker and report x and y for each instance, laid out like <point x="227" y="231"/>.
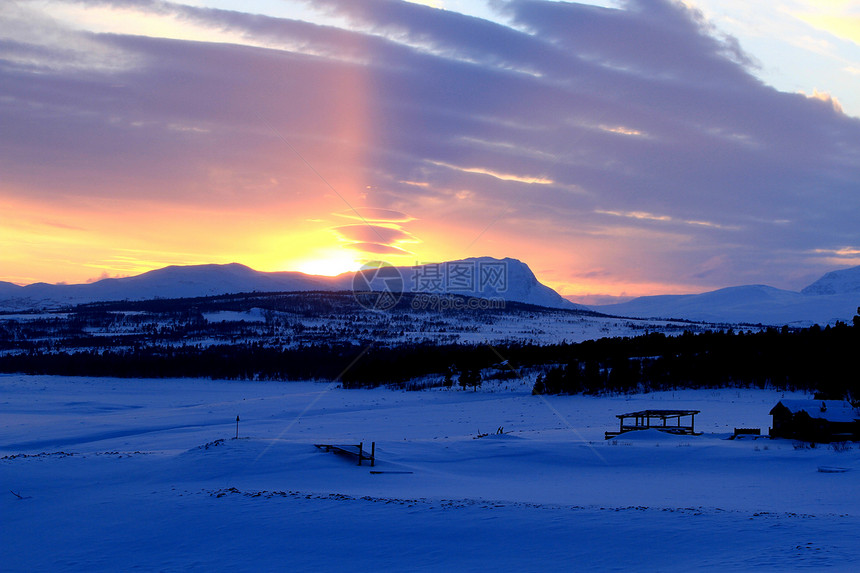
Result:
<point x="237" y="427"/>
<point x="360" y="445"/>
<point x="372" y="454"/>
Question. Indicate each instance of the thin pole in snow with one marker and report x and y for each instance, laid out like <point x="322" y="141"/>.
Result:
<point x="237" y="427"/>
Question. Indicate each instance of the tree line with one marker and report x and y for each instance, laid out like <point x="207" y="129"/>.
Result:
<point x="814" y="359"/>
<point x="822" y="360"/>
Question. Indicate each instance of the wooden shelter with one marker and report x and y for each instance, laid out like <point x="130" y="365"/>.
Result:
<point x="663" y="420"/>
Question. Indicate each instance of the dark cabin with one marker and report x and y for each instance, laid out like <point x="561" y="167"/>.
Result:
<point x="815" y="420"/>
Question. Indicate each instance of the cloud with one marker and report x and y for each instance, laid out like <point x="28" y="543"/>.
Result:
<point x="371" y="214"/>
<point x="376" y="239"/>
<point x="828" y="99"/>
<point x="568" y="114"/>
<point x="103" y="276"/>
<point x="378" y="249"/>
<point x="641" y="215"/>
<point x="366" y="233"/>
<point x="840" y="252"/>
<point x="538" y="180"/>
<point x="32" y="40"/>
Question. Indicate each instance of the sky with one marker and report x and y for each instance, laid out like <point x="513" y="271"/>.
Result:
<point x="619" y="148"/>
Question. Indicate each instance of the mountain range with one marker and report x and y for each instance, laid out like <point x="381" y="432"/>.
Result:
<point x="482" y="277"/>
<point x="835" y="296"/>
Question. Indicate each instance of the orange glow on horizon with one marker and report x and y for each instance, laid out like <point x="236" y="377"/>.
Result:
<point x="79" y="243"/>
<point x="89" y="240"/>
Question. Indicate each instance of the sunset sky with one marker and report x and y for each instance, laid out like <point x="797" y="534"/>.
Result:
<point x="618" y="147"/>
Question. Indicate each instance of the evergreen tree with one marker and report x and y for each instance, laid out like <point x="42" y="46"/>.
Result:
<point x="463" y="379"/>
<point x="539" y="387"/>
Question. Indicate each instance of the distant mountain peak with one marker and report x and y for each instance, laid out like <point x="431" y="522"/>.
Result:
<point x="844" y="281"/>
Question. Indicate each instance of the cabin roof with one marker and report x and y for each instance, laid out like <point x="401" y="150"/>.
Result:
<point x="830" y="410"/>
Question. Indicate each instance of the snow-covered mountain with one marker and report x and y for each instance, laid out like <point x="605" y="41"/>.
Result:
<point x="169" y="282"/>
<point x="845" y="281"/>
<point x="835" y="296"/>
<point x="484" y="277"/>
<point x="8" y="289"/>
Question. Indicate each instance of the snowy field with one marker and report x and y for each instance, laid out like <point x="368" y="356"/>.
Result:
<point x="113" y="474"/>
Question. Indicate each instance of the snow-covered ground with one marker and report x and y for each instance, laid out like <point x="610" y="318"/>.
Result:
<point x="118" y="474"/>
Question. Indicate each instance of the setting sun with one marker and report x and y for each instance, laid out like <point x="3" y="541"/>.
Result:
<point x="330" y="262"/>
